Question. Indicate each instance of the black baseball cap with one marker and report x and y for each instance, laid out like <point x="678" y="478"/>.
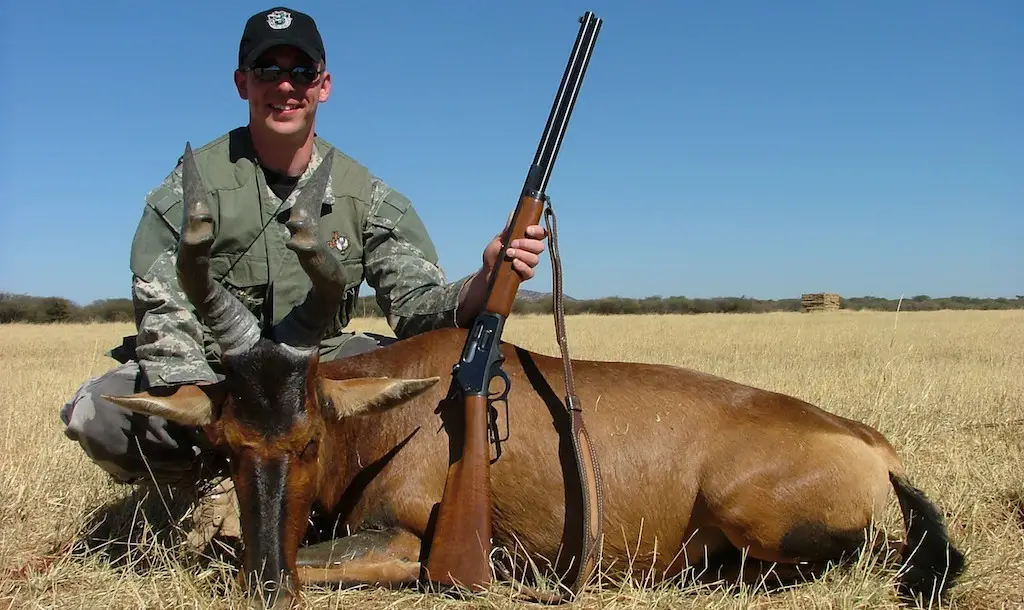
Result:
<point x="279" y="26"/>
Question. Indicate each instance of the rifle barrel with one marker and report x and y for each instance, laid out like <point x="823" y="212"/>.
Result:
<point x="561" y="109"/>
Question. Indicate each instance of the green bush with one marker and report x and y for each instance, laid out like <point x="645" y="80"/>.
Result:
<point x="45" y="310"/>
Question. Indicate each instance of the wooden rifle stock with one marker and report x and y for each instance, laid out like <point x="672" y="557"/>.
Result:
<point x="461" y="545"/>
<point x="455" y="556"/>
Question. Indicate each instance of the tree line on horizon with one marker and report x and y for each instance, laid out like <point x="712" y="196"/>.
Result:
<point x="47" y="310"/>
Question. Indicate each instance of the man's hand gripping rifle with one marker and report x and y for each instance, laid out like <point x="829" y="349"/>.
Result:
<point x="461" y="545"/>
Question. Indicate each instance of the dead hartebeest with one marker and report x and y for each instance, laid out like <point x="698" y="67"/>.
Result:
<point x="694" y="466"/>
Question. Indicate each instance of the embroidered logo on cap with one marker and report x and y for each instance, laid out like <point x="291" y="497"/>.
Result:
<point x="279" y="20"/>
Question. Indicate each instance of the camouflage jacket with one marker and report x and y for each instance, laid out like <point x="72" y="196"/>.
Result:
<point x="373" y="230"/>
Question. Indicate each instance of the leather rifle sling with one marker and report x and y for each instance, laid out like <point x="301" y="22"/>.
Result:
<point x="586" y="458"/>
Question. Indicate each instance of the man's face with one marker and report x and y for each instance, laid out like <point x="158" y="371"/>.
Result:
<point x="283" y="106"/>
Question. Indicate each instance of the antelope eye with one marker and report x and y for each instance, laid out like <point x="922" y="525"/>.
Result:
<point x="310" y="450"/>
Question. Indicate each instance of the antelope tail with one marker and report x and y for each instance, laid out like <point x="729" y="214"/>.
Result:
<point x="931" y="562"/>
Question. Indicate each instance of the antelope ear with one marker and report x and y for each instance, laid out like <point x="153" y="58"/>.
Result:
<point x="372" y="394"/>
<point x="189" y="405"/>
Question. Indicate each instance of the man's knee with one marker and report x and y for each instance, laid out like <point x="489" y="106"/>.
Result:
<point x="127" y="445"/>
<point x="87" y="414"/>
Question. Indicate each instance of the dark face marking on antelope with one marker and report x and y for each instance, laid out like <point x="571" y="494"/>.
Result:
<point x="270" y="434"/>
<point x="267" y="480"/>
<point x="268" y="387"/>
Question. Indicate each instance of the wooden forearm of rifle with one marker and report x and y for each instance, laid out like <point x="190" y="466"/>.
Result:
<point x="461" y="547"/>
<point x="506" y="284"/>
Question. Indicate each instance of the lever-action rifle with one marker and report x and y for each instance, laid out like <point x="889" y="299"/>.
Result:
<point x="461" y="545"/>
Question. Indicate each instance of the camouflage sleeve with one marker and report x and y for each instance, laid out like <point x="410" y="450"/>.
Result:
<point x="401" y="265"/>
<point x="170" y="341"/>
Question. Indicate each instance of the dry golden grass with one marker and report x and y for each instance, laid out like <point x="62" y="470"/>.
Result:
<point x="947" y="388"/>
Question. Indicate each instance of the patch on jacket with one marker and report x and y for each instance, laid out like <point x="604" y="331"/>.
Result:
<point x="338" y="241"/>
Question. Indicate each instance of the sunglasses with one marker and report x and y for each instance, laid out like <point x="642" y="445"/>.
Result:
<point x="300" y="75"/>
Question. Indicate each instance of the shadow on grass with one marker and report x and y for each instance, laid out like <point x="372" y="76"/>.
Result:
<point x="728" y="573"/>
<point x="146" y="531"/>
<point x="1015" y="504"/>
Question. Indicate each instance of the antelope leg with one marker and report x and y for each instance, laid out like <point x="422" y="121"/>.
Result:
<point x="375" y="557"/>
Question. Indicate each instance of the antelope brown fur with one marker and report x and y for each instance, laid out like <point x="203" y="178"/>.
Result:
<point x="693" y="466"/>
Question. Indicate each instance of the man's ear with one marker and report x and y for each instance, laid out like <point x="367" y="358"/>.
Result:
<point x="325" y="87"/>
<point x="240" y="84"/>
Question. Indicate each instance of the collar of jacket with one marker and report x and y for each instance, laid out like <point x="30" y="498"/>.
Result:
<point x="247" y="166"/>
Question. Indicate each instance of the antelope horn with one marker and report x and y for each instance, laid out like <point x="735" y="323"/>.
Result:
<point x="234" y="327"/>
<point x="304" y="326"/>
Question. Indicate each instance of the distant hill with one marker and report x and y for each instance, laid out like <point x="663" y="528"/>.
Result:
<point x="532" y="296"/>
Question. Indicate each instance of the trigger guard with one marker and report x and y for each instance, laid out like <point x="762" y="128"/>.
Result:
<point x="503" y="394"/>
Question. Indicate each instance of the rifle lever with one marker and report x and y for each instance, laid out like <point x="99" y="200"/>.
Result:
<point x="493" y="433"/>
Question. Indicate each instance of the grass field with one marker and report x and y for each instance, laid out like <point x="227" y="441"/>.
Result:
<point x="947" y="388"/>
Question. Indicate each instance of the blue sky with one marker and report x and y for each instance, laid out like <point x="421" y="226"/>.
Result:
<point x="726" y="148"/>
